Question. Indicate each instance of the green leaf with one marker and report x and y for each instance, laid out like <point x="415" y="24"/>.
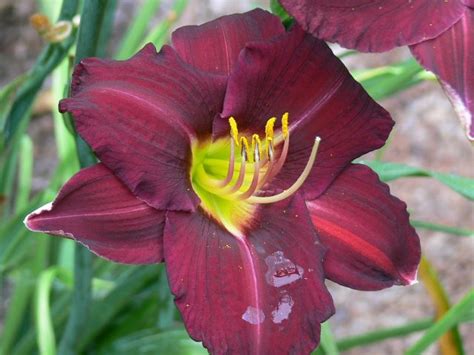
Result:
<point x="25" y="172"/>
<point x="160" y="33"/>
<point x="137" y="29"/>
<point x="96" y="20"/>
<point x="454" y="316"/>
<point x="106" y="309"/>
<point x="150" y="342"/>
<point x="451" y="342"/>
<point x="461" y="185"/>
<point x="17" y="309"/>
<point x="382" y="82"/>
<point x="7" y="95"/>
<point x="278" y="10"/>
<point x="44" y="325"/>
<point x="383" y="334"/>
<point x="65" y="143"/>
<point x="27" y="343"/>
<point x="50" y="57"/>
<point x="442" y="228"/>
<point x="328" y="343"/>
<point x="391" y="171"/>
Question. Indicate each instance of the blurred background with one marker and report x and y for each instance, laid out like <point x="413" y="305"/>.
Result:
<point x="427" y="135"/>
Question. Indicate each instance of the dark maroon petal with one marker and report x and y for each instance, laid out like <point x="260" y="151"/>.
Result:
<point x="97" y="210"/>
<point x="469" y="3"/>
<point x="215" y="46"/>
<point x="375" y="26"/>
<point x="451" y="57"/>
<point x="299" y="74"/>
<point x="370" y="242"/>
<point x="140" y="116"/>
<point x="258" y="293"/>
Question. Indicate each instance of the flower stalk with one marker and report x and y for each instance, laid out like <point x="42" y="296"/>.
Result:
<point x="93" y="15"/>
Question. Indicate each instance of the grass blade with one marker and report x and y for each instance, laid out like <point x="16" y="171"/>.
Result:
<point x="449" y="320"/>
<point x="442" y="228"/>
<point x="391" y="171"/>
<point x="137" y="29"/>
<point x="383" y="334"/>
<point x="450" y="342"/>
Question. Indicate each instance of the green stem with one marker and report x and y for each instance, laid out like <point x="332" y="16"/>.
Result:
<point x="449" y="320"/>
<point x="90" y="43"/>
<point x="442" y="228"/>
<point x="51" y="56"/>
<point x="383" y="334"/>
<point x="159" y="34"/>
<point x="107" y="308"/>
<point x="136" y="30"/>
<point x="450" y="342"/>
<point x="17" y="309"/>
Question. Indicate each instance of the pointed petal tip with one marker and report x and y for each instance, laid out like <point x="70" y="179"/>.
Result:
<point x="378" y="251"/>
<point x="409" y="279"/>
<point x="27" y="221"/>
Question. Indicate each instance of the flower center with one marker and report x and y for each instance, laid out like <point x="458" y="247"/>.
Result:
<point x="228" y="175"/>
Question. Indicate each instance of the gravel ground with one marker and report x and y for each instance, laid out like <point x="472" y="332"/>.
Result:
<point x="427" y="135"/>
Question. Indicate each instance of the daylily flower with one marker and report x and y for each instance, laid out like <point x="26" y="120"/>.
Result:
<point x="228" y="156"/>
<point x="440" y="34"/>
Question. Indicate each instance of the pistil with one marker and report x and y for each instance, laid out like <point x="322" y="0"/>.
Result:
<point x="281" y="160"/>
<point x="265" y="165"/>
<point x="232" y="187"/>
<point x="297" y="184"/>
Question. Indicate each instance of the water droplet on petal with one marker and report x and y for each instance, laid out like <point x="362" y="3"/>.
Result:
<point x="283" y="310"/>
<point x="281" y="271"/>
<point x="253" y="315"/>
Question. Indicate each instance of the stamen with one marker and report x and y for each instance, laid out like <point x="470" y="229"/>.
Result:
<point x="241" y="177"/>
<point x="298" y="183"/>
<point x="269" y="148"/>
<point x="281" y="159"/>
<point x="254" y="184"/>
<point x="274" y="168"/>
<point x="256" y="147"/>
<point x="244" y="146"/>
<point x="230" y="169"/>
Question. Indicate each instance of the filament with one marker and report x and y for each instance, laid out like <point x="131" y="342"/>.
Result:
<point x="241" y="177"/>
<point x="254" y="184"/>
<point x="230" y="170"/>
<point x="281" y="160"/>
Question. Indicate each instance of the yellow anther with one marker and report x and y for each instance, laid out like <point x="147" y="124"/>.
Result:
<point x="244" y="143"/>
<point x="234" y="131"/>
<point x="284" y="124"/>
<point x="269" y="128"/>
<point x="256" y="144"/>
